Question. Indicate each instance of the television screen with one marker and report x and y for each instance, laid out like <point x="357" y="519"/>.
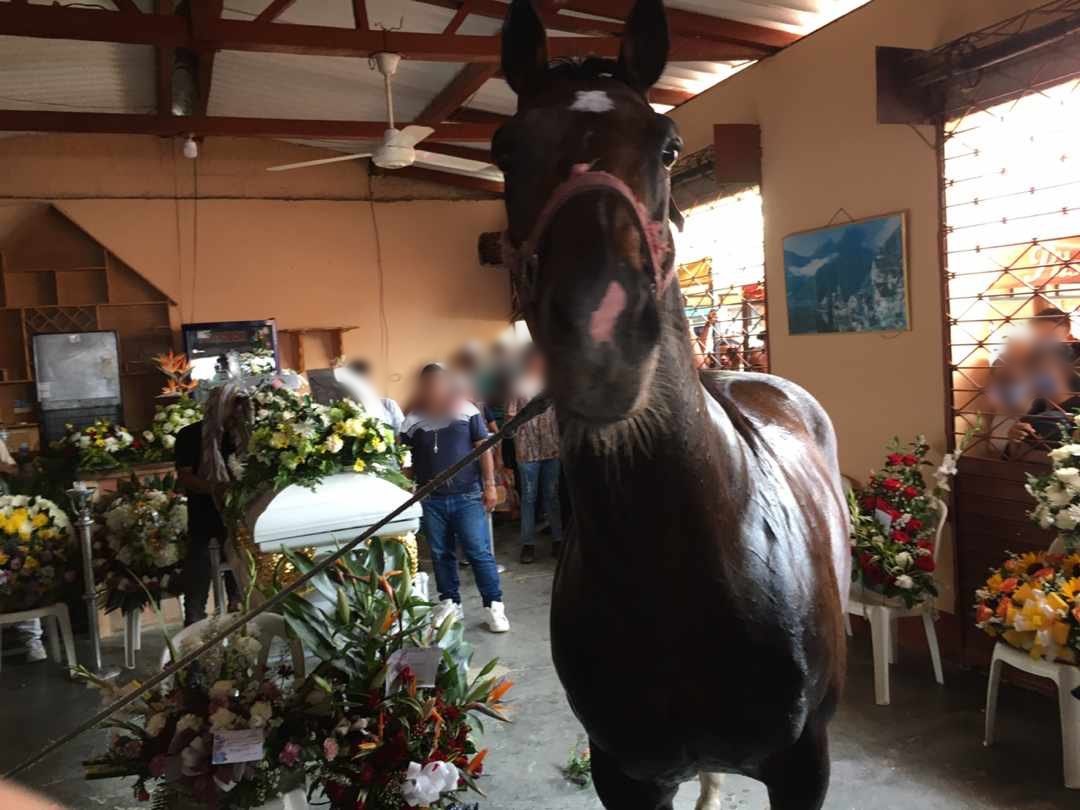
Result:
<point x="76" y="370"/>
<point x="217" y="351"/>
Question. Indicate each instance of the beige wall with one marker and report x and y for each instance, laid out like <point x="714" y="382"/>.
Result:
<point x="822" y="150"/>
<point x="297" y="246"/>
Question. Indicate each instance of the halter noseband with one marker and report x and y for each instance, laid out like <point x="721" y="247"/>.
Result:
<point x="582" y="180"/>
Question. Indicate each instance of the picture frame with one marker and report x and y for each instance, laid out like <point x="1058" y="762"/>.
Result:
<point x="849" y="277"/>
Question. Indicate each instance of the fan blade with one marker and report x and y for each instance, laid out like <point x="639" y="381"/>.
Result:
<point x="289" y="166"/>
<point x="410" y="136"/>
<point x="468" y="168"/>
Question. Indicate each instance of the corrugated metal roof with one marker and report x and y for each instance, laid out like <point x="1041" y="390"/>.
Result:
<point x="88" y="76"/>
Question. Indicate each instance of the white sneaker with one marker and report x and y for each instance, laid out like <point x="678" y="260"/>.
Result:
<point x="445" y="609"/>
<point x="496" y="618"/>
<point x="35" y="651"/>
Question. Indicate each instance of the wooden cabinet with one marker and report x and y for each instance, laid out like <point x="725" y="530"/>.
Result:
<point x="54" y="277"/>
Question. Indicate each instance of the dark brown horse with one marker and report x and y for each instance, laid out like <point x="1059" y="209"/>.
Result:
<point x="697" y="613"/>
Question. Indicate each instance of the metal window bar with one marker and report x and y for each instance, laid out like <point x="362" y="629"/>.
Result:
<point x="721" y="274"/>
<point x="1012" y="254"/>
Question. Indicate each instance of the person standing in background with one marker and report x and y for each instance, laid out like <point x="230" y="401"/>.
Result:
<point x="442" y="429"/>
<point x="536" y="445"/>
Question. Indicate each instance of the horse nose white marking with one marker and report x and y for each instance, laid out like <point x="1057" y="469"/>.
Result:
<point x="602" y="321"/>
<point x="594" y="101"/>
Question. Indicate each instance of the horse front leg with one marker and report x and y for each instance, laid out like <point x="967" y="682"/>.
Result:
<point x="711" y="798"/>
<point x="798" y="777"/>
<point x="617" y="791"/>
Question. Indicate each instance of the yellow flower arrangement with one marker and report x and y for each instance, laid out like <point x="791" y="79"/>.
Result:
<point x="34" y="551"/>
<point x="1032" y="602"/>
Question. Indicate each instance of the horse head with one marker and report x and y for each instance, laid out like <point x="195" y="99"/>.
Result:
<point x="587" y="162"/>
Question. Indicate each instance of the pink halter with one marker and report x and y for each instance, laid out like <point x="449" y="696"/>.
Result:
<point x="582" y="180"/>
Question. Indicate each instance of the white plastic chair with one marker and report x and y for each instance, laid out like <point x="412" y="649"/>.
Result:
<point x="269" y="627"/>
<point x="1067" y="679"/>
<point x="883" y="614"/>
<point x="57" y="628"/>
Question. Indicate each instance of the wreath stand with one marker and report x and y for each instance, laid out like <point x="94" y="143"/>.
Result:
<point x="59" y="628"/>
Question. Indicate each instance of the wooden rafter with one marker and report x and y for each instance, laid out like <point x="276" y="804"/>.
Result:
<point x="274" y="10"/>
<point x="127" y="6"/>
<point x="463" y="11"/>
<point x="683" y="24"/>
<point x="669" y="95"/>
<point x="471" y="115"/>
<point x="360" y="18"/>
<point x="140" y="124"/>
<point x="164" y="59"/>
<point x="690" y="23"/>
<point x="453" y="150"/>
<point x="215" y="33"/>
<point x="450" y="179"/>
<point x="452" y="97"/>
<point x="204" y="16"/>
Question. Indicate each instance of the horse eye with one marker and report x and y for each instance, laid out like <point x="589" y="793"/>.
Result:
<point x="670" y="153"/>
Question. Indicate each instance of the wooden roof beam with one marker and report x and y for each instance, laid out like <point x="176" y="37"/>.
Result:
<point x="449" y="179"/>
<point x="454" y="95"/>
<point x="54" y="22"/>
<point x="140" y="124"/>
<point x="274" y="10"/>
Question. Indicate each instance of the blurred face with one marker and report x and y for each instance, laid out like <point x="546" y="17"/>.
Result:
<point x="436" y="392"/>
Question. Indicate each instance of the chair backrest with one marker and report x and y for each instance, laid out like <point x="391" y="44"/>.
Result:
<point x="269" y="627"/>
<point x="943" y="515"/>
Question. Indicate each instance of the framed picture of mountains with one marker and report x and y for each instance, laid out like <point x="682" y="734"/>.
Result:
<point x="850" y="277"/>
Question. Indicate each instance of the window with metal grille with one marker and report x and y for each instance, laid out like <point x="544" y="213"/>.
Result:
<point x="1012" y="242"/>
<point x="721" y="270"/>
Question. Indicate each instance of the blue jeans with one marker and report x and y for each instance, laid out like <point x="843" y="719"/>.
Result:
<point x="540" y="479"/>
<point x="462" y="518"/>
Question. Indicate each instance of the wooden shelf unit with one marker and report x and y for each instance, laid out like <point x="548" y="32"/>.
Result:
<point x="54" y="277"/>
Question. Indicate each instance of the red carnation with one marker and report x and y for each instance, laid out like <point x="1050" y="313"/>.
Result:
<point x="925" y="563"/>
<point x="911" y="492"/>
<point x="891" y="484"/>
<point x="915" y="525"/>
<point x="894" y="458"/>
<point x="900" y="537"/>
<point x="910" y="460"/>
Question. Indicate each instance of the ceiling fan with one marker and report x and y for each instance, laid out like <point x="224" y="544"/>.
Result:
<point x="398" y="147"/>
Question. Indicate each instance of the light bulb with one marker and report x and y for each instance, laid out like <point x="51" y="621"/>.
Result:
<point x="191" y="148"/>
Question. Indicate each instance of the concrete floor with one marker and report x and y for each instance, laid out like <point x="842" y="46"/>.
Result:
<point x="924" y="751"/>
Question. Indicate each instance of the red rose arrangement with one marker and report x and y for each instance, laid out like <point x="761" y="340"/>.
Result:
<point x="894" y="521"/>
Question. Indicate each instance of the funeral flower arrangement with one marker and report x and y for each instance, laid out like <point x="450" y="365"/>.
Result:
<point x="35" y="550"/>
<point x="1033" y="602"/>
<point x="894" y="520"/>
<point x="139" y="552"/>
<point x="159" y="439"/>
<point x="295" y="440"/>
<point x="175" y="739"/>
<point x="100" y="446"/>
<point x="389" y="716"/>
<point x="1057" y="493"/>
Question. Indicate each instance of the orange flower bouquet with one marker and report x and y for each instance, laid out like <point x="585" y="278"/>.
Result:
<point x="1033" y="603"/>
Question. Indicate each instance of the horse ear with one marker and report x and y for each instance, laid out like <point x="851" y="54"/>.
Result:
<point x="524" y="48"/>
<point x="644" y="50"/>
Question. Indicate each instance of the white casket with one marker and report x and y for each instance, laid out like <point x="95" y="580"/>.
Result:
<point x="340" y="509"/>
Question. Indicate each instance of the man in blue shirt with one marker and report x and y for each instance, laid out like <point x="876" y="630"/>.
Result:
<point x="442" y="429"/>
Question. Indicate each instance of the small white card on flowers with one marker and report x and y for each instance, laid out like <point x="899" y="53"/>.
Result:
<point x="423" y="661"/>
<point x="884" y="518"/>
<point x="241" y="745"/>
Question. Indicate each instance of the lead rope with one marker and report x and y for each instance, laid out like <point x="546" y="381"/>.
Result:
<point x="535" y="407"/>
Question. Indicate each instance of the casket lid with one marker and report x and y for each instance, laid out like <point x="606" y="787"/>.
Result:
<point x="339" y="509"/>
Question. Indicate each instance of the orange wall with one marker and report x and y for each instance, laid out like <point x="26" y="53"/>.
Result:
<point x="822" y="150"/>
<point x="297" y="246"/>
